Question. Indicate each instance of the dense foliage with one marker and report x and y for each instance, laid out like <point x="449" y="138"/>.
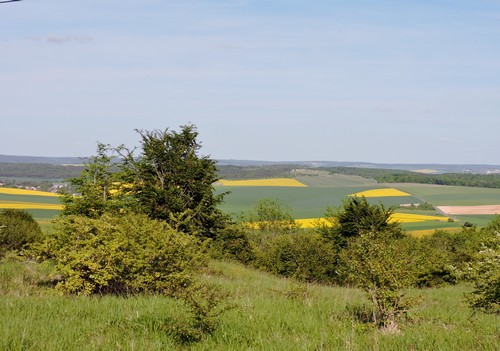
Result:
<point x="165" y="178"/>
<point x="17" y="229"/>
<point x="170" y="181"/>
<point x="357" y="245"/>
<point x="484" y="272"/>
<point x="305" y="257"/>
<point x="354" y="218"/>
<point x="127" y="254"/>
<point x="381" y="265"/>
<point x="95" y="186"/>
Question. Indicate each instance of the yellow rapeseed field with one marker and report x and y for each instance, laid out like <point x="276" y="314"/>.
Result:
<point x="425" y="232"/>
<point x="29" y="205"/>
<point x="381" y="193"/>
<point x="264" y="182"/>
<point x="311" y="222"/>
<point x="412" y="218"/>
<point x="396" y="217"/>
<point x="15" y="191"/>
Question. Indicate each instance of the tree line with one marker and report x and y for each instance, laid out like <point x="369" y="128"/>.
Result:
<point x="397" y="176"/>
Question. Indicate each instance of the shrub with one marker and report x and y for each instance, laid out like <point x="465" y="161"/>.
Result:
<point x="17" y="229"/>
<point x="305" y="257"/>
<point x="442" y="255"/>
<point x="379" y="264"/>
<point x="127" y="254"/>
<point x="484" y="272"/>
<point x="485" y="275"/>
<point x="233" y="243"/>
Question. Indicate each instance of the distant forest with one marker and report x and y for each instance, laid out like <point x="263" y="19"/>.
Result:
<point x="38" y="172"/>
<point x="398" y="176"/>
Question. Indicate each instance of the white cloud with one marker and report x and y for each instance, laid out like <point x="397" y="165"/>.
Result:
<point x="61" y="39"/>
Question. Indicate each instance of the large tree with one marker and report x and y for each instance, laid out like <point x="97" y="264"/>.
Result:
<point x="172" y="182"/>
<point x="165" y="178"/>
<point x="356" y="217"/>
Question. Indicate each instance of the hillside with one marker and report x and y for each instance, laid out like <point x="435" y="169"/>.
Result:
<point x="424" y="167"/>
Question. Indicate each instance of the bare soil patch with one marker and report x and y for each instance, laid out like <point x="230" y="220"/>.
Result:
<point x="470" y="210"/>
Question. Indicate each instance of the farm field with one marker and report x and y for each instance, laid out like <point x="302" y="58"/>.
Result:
<point x="308" y="196"/>
<point x="443" y="195"/>
<point x="41" y="205"/>
<point x="309" y="203"/>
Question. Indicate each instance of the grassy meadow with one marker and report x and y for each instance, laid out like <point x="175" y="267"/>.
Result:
<point x="268" y="313"/>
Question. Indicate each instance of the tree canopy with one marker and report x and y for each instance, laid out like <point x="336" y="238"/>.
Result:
<point x="165" y="178"/>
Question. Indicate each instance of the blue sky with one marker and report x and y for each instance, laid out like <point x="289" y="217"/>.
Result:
<point x="375" y="81"/>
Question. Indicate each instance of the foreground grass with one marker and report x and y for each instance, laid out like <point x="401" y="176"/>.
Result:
<point x="269" y="314"/>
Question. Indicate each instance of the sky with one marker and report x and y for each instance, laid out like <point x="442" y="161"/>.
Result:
<point x="387" y="81"/>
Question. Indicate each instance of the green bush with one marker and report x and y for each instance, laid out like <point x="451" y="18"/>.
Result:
<point x="484" y="272"/>
<point x="382" y="266"/>
<point x="305" y="257"/>
<point x="443" y="254"/>
<point x="127" y="254"/>
<point x="17" y="229"/>
<point x="233" y="243"/>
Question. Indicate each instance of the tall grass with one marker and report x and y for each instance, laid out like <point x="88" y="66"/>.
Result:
<point x="270" y="314"/>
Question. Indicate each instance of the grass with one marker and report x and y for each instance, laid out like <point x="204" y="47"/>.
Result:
<point x="270" y="314"/>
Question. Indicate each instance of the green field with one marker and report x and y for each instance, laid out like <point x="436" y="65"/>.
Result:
<point x="441" y="195"/>
<point x="306" y="202"/>
<point x="331" y="190"/>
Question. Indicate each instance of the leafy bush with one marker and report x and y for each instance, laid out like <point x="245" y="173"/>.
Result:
<point x="484" y="272"/>
<point x="127" y="254"/>
<point x="233" y="243"/>
<point x="17" y="229"/>
<point x="443" y="254"/>
<point x="305" y="257"/>
<point x="379" y="264"/>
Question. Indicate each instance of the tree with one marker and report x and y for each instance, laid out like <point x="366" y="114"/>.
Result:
<point x="94" y="187"/>
<point x="170" y="181"/>
<point x="167" y="180"/>
<point x="354" y="218"/>
<point x="272" y="217"/>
